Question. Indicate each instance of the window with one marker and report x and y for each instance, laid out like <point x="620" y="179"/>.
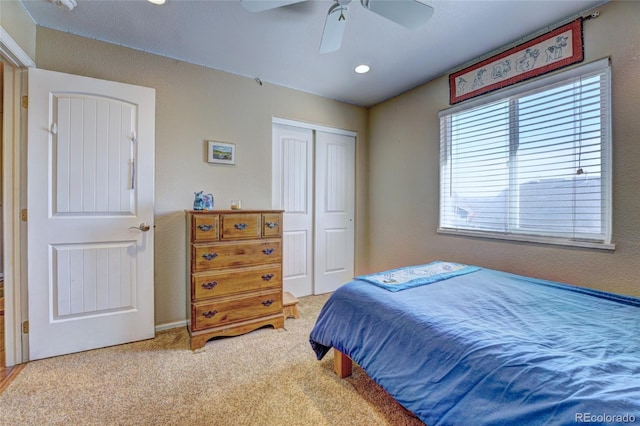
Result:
<point x="532" y="162"/>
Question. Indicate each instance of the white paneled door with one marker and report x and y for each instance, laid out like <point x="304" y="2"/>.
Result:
<point x="90" y="196"/>
<point x="313" y="182"/>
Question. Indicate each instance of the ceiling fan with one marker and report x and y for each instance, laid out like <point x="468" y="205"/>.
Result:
<point x="408" y="13"/>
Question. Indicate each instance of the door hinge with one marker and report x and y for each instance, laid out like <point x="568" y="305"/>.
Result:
<point x="25" y="101"/>
<point x="23" y="215"/>
<point x="25" y="327"/>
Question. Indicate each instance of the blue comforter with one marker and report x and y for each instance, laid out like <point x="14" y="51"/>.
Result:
<point x="492" y="348"/>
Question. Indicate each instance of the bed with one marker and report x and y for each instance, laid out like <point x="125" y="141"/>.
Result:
<point x="488" y="347"/>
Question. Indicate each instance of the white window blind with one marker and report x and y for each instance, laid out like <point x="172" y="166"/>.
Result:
<point x="531" y="163"/>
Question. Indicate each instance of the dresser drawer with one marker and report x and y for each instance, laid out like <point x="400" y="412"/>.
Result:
<point x="223" y="283"/>
<point x="204" y="227"/>
<point x="240" y="226"/>
<point x="271" y="225"/>
<point x="209" y="257"/>
<point x="231" y="310"/>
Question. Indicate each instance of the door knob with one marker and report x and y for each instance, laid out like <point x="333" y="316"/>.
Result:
<point x="144" y="227"/>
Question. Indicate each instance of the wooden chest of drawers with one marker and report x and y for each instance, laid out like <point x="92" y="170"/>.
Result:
<point x="234" y="272"/>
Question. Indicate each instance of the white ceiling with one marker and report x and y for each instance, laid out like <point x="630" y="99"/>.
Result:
<point x="281" y="46"/>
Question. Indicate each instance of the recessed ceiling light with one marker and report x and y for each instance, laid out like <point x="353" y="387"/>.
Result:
<point x="157" y="1"/>
<point x="362" y="69"/>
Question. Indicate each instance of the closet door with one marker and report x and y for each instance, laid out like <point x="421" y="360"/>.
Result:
<point x="313" y="181"/>
<point x="293" y="192"/>
<point x="334" y="211"/>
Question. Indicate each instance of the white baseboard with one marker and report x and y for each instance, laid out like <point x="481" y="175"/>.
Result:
<point x="170" y="325"/>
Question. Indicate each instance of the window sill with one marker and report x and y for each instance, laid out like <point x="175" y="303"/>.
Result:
<point x="529" y="239"/>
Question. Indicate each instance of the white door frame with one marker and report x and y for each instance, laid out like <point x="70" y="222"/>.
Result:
<point x="15" y="60"/>
<point x="318" y="127"/>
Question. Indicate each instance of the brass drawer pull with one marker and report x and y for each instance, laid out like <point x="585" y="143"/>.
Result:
<point x="205" y="228"/>
<point x="240" y="226"/>
<point x="268" y="302"/>
<point x="268" y="251"/>
<point x="209" y="314"/>
<point x="271" y="225"/>
<point x="209" y="285"/>
<point x="267" y="277"/>
<point x="210" y="256"/>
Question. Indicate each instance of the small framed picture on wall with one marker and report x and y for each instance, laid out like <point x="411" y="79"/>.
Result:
<point x="221" y="152"/>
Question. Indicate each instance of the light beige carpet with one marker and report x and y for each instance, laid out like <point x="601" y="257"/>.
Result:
<point x="267" y="377"/>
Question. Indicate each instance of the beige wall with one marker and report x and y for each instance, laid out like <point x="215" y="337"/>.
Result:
<point x="194" y="104"/>
<point x="403" y="178"/>
<point x="15" y="20"/>
<point x="397" y="159"/>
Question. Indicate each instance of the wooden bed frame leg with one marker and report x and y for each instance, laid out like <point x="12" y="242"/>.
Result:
<point x="342" y="364"/>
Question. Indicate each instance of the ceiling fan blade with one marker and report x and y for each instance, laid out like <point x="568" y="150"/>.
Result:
<point x="334" y="28"/>
<point x="408" y="13"/>
<point x="262" y="5"/>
